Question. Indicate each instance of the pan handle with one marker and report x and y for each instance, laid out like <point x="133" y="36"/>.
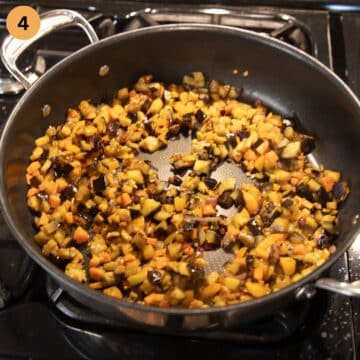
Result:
<point x="50" y="21"/>
<point x="340" y="287"/>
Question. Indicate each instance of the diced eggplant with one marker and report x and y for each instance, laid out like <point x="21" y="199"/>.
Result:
<point x="161" y="197"/>
<point x="154" y="277"/>
<point x="196" y="271"/>
<point x="160" y="232"/>
<point x="149" y="127"/>
<point x="268" y="214"/>
<point x="186" y="124"/>
<point x="254" y="227"/>
<point x="322" y="197"/>
<point x="274" y="254"/>
<point x="45" y="154"/>
<point x="99" y="184"/>
<point x="231" y="139"/>
<point x="69" y="192"/>
<point x="287" y="203"/>
<point x="132" y="116"/>
<point x="61" y="169"/>
<point x="146" y="105"/>
<point x="304" y="191"/>
<point x="210" y="183"/>
<point x="200" y="115"/>
<point x="174" y="131"/>
<point x="169" y="199"/>
<point x="249" y="261"/>
<point x="323" y="241"/>
<point x="225" y="200"/>
<point x="113" y="129"/>
<point x="194" y="129"/>
<point x="34" y="182"/>
<point x="228" y="242"/>
<point x="257" y="143"/>
<point x="96" y="141"/>
<point x="238" y="199"/>
<point x="42" y="195"/>
<point x="86" y="213"/>
<point x="243" y="134"/>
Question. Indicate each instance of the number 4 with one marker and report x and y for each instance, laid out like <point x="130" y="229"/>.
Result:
<point x="23" y="23"/>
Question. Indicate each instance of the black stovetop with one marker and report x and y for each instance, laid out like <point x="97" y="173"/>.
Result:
<point x="40" y="321"/>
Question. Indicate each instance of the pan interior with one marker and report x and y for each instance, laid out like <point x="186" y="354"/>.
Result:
<point x="290" y="84"/>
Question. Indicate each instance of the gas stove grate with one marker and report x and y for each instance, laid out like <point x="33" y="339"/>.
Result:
<point x="281" y="26"/>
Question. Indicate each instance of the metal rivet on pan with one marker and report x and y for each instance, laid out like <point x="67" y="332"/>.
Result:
<point x="355" y="219"/>
<point x="104" y="70"/>
<point x="305" y="293"/>
<point x="46" y="110"/>
<point x="55" y="295"/>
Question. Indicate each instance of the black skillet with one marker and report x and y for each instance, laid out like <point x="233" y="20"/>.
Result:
<point x="287" y="80"/>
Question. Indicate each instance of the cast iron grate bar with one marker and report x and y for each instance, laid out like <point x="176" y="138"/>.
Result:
<point x="281" y="26"/>
<point x="337" y="45"/>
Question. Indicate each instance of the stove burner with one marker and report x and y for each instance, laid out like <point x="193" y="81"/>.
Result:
<point x="280" y="26"/>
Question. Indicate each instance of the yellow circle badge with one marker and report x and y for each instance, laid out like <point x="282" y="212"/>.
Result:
<point x="23" y="22"/>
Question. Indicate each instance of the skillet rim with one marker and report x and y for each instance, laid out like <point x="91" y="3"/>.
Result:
<point x="94" y="295"/>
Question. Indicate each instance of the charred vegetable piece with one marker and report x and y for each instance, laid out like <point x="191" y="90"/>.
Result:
<point x="210" y="183"/>
<point x="254" y="227"/>
<point x="69" y="192"/>
<point x="42" y="195"/>
<point x="154" y="277"/>
<point x="304" y="191"/>
<point x="231" y="140"/>
<point x="243" y="134"/>
<point x="174" y="131"/>
<point x="196" y="272"/>
<point x="113" y="129"/>
<point x="62" y="170"/>
<point x="323" y="241"/>
<point x="322" y="196"/>
<point x="200" y="115"/>
<point x="99" y="184"/>
<point x="225" y="200"/>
